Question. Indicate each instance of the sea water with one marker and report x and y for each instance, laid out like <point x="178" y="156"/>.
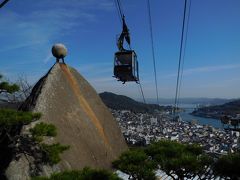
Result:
<point x="186" y="116"/>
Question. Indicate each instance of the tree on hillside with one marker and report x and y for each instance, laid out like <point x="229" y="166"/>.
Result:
<point x="7" y="87"/>
<point x="25" y="88"/>
<point x="11" y="122"/>
<point x="84" y="174"/>
<point x="15" y="92"/>
<point x="179" y="160"/>
<point x="137" y="164"/>
<point x="228" y="166"/>
<point x="13" y="143"/>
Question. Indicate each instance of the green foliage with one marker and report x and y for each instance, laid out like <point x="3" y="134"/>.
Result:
<point x="205" y="159"/>
<point x="43" y="129"/>
<point x="137" y="164"/>
<point x="10" y="88"/>
<point x="7" y="87"/>
<point x="52" y="152"/>
<point x="85" y="174"/>
<point x="12" y="118"/>
<point x="228" y="166"/>
<point x="9" y="117"/>
<point x="177" y="158"/>
<point x="11" y="122"/>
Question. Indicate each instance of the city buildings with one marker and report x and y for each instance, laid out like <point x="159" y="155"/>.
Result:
<point x="141" y="129"/>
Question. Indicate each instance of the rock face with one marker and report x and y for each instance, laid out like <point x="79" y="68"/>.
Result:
<point x="18" y="169"/>
<point x="68" y="101"/>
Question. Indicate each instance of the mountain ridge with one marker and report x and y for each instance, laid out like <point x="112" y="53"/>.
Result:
<point x="121" y="102"/>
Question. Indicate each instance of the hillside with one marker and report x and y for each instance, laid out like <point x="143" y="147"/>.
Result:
<point x="231" y="108"/>
<point x="120" y="102"/>
<point x="8" y="105"/>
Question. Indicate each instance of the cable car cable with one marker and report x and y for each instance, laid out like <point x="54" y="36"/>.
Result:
<point x="3" y="3"/>
<point x="152" y="45"/>
<point x="180" y="57"/>
<point x="118" y="12"/>
<point x="125" y="35"/>
<point x="119" y="7"/>
<point x="126" y="31"/>
<point x="140" y="85"/>
<point x="184" y="51"/>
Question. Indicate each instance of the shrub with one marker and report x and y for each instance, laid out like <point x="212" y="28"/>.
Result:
<point x="228" y="166"/>
<point x="11" y="122"/>
<point x="137" y="164"/>
<point x="9" y="117"/>
<point x="10" y="88"/>
<point x="85" y="174"/>
<point x="43" y="129"/>
<point x="52" y="152"/>
<point x="183" y="160"/>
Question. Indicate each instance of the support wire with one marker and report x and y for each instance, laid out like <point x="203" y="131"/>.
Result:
<point x="180" y="58"/>
<point x="153" y="51"/>
<point x="184" y="51"/>
<point x="144" y="100"/>
<point x="121" y="16"/>
<point x="3" y="3"/>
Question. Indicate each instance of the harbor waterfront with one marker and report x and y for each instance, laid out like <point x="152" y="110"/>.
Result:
<point x="140" y="129"/>
<point x="186" y="116"/>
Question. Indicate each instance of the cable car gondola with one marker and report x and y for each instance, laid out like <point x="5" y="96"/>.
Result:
<point x="125" y="61"/>
<point x="126" y="66"/>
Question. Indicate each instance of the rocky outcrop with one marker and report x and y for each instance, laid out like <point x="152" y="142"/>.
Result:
<point x="18" y="169"/>
<point x="68" y="101"/>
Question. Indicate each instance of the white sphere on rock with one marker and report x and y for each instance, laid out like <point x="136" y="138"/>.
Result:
<point x="59" y="51"/>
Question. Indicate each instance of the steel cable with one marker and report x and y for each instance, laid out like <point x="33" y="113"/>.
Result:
<point x="121" y="16"/>
<point x="180" y="57"/>
<point x="144" y="100"/>
<point x="184" y="51"/>
<point x="3" y="3"/>
<point x="153" y="51"/>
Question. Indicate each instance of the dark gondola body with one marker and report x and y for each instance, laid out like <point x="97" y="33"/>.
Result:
<point x="126" y="66"/>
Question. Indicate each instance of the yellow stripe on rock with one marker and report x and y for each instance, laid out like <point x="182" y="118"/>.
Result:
<point x="83" y="103"/>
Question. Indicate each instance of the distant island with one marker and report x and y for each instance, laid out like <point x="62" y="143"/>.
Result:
<point x="229" y="109"/>
<point x="192" y="100"/>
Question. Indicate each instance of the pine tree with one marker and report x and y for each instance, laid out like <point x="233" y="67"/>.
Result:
<point x="7" y="87"/>
<point x="180" y="161"/>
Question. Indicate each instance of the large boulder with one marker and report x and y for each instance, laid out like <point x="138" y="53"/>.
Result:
<point x="68" y="101"/>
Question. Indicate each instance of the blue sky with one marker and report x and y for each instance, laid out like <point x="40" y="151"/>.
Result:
<point x="89" y="27"/>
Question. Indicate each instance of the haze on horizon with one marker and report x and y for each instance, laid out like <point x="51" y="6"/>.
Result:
<point x="89" y="27"/>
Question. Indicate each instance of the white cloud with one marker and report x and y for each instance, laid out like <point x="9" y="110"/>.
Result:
<point x="96" y="70"/>
<point x="206" y="69"/>
<point x="20" y="45"/>
<point x="101" y="80"/>
<point x="48" y="57"/>
<point x="212" y="68"/>
<point x="50" y="21"/>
